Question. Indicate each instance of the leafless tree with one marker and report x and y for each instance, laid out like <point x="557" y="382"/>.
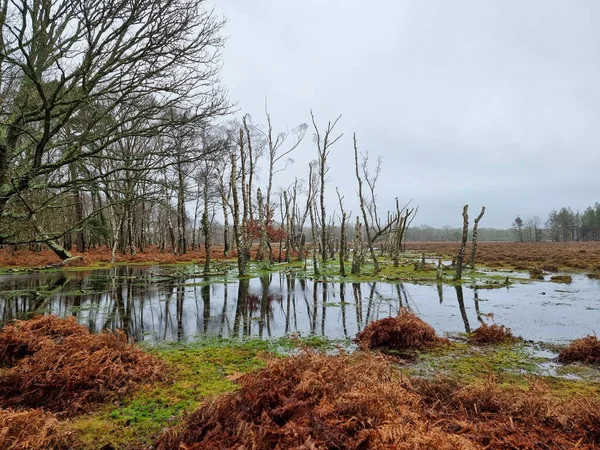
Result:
<point x="240" y="224"/>
<point x="343" y="234"/>
<point x="310" y="206"/>
<point x="357" y="248"/>
<point x="324" y="144"/>
<point x="374" y="227"/>
<point x="403" y="214"/>
<point x="74" y="63"/>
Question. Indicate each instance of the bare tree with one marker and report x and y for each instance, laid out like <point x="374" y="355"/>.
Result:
<point x="240" y="226"/>
<point x="403" y="214"/>
<point x="324" y="144"/>
<point x="374" y="227"/>
<point x="311" y="212"/>
<point x="263" y="243"/>
<point x="74" y="63"/>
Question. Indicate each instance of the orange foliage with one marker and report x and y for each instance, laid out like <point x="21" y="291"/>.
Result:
<point x="549" y="256"/>
<point x="491" y="334"/>
<point x="274" y="234"/>
<point x="315" y="401"/>
<point x="586" y="350"/>
<point x="30" y="430"/>
<point x="57" y="364"/>
<point x="103" y="255"/>
<point x="403" y="332"/>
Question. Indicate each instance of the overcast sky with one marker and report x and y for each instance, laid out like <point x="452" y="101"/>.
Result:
<point x="493" y="103"/>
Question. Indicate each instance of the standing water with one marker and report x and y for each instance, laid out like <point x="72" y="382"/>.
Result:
<point x="152" y="306"/>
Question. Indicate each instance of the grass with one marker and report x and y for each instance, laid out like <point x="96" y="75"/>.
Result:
<point x="197" y="373"/>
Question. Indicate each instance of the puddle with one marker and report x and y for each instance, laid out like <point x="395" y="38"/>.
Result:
<point x="153" y="307"/>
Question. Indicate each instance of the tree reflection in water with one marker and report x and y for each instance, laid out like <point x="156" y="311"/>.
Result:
<point x="149" y="304"/>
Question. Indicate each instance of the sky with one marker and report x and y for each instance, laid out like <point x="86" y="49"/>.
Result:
<point x="478" y="102"/>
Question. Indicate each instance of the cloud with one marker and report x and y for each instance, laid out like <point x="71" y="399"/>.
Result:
<point x="492" y="103"/>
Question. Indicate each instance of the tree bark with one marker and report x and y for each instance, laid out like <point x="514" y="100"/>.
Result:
<point x="313" y="226"/>
<point x="343" y="237"/>
<point x="206" y="229"/>
<point x="263" y="244"/>
<point x="475" y="227"/>
<point x="461" y="251"/>
<point x="357" y="254"/>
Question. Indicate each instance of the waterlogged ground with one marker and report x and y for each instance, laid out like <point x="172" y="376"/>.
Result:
<point x="157" y="304"/>
<point x="188" y="320"/>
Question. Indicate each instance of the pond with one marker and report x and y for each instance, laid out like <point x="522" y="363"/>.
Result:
<point x="151" y="305"/>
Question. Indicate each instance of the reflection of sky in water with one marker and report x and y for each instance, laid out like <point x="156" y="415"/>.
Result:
<point x="156" y="308"/>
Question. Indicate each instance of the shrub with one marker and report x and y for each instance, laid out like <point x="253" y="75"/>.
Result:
<point x="313" y="401"/>
<point x="491" y="334"/>
<point x="586" y="350"/>
<point x="30" y="430"/>
<point x="57" y="364"/>
<point x="403" y="332"/>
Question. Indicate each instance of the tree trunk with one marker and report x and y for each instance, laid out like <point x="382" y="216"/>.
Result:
<point x="343" y="238"/>
<point x="301" y="248"/>
<point x="461" y="251"/>
<point x="357" y="254"/>
<point x="206" y="231"/>
<point x="263" y="244"/>
<point x="225" y="232"/>
<point x="240" y="230"/>
<point x="313" y="226"/>
<point x="181" y="216"/>
<point x="475" y="227"/>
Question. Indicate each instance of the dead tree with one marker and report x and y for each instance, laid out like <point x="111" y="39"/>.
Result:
<point x="343" y="235"/>
<point x="286" y="224"/>
<point x="252" y="156"/>
<point x="263" y="242"/>
<point x="357" y="250"/>
<point x="313" y="228"/>
<point x="402" y="215"/>
<point x="461" y="251"/>
<point x="324" y="144"/>
<point x="374" y="229"/>
<point x="475" y="227"/>
<point x="206" y="223"/>
<point x="310" y="208"/>
<point x="240" y="228"/>
<point x="293" y="215"/>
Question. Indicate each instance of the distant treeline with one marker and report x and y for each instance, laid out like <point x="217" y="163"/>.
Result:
<point x="566" y="225"/>
<point x="447" y="233"/>
<point x="562" y="225"/>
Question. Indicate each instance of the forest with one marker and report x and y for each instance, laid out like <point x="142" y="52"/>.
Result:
<point x="117" y="133"/>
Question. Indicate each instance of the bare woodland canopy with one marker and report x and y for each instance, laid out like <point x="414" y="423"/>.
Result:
<point x="99" y="101"/>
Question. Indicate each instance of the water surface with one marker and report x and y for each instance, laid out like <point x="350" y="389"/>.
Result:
<point x="152" y="306"/>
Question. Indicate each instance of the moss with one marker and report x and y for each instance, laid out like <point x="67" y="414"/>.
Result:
<point x="198" y="372"/>
<point x="565" y="388"/>
<point x="473" y="362"/>
<point x="511" y="364"/>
